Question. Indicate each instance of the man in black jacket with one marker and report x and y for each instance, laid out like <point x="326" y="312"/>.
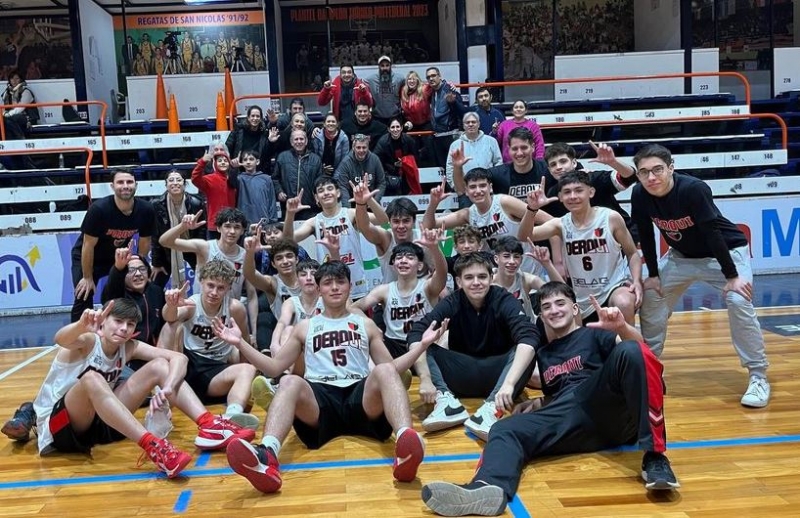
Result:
<point x="486" y="324"/>
<point x="602" y="387"/>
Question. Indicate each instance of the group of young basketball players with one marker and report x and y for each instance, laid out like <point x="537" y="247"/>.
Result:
<point x="561" y="318"/>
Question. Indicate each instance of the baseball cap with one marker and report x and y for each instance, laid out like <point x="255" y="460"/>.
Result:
<point x="384" y="58"/>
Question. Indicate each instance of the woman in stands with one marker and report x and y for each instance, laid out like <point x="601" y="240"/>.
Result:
<point x="170" y="209"/>
<point x="415" y="104"/>
<point x="519" y="119"/>
<point x="391" y="148"/>
<point x="331" y="144"/>
<point x="249" y="136"/>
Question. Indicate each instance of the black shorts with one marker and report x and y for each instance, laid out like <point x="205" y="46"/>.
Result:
<point x="592" y="317"/>
<point x="67" y="440"/>
<point x="397" y="348"/>
<point x="200" y="372"/>
<point x="341" y="412"/>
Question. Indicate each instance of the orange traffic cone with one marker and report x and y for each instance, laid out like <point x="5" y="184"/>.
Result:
<point x="161" y="98"/>
<point x="230" y="108"/>
<point x="222" y="119"/>
<point x="173" y="125"/>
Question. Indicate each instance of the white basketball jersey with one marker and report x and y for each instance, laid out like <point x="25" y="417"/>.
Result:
<point x="282" y="293"/>
<point x="593" y="259"/>
<point x="349" y="248"/>
<point x="494" y="224"/>
<point x="402" y="311"/>
<point x="63" y="376"/>
<point x="337" y="350"/>
<point x="387" y="272"/>
<point x="235" y="260"/>
<point x="300" y="312"/>
<point x="517" y="289"/>
<point x="198" y="332"/>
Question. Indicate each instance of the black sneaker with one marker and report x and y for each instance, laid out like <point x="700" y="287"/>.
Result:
<point x="475" y="498"/>
<point x="19" y="427"/>
<point x="657" y="473"/>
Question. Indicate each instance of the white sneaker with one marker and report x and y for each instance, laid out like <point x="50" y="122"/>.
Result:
<point x="447" y="413"/>
<point x="757" y="394"/>
<point x="481" y="421"/>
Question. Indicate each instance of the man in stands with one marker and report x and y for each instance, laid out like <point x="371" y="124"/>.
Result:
<point x="490" y="117"/>
<point x="110" y="223"/>
<point x="703" y="246"/>
<point x="603" y="388"/>
<point x="481" y="150"/>
<point x="447" y="109"/>
<point x="362" y="123"/>
<point x="360" y="163"/>
<point x="295" y="169"/>
<point x="346" y="91"/>
<point x="339" y="394"/>
<point x="385" y="87"/>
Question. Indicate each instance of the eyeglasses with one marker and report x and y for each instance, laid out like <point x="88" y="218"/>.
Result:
<point x="657" y="171"/>
<point x="135" y="270"/>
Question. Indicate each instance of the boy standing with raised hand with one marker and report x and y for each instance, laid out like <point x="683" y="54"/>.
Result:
<point x="339" y="394"/>
<point x="219" y="189"/>
<point x="594" y="239"/>
<point x="83" y="403"/>
<point x="214" y="370"/>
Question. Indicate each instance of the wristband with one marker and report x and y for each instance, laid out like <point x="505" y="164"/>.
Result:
<point x="531" y="210"/>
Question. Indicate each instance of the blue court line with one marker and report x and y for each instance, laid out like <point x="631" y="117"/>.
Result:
<point x="517" y="508"/>
<point x="183" y="501"/>
<point x="363" y="463"/>
<point x="202" y="460"/>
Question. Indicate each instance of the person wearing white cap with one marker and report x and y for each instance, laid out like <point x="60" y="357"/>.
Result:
<point x="385" y="87"/>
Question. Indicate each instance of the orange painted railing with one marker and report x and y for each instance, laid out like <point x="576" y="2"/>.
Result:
<point x="86" y="171"/>
<point x="103" y="113"/>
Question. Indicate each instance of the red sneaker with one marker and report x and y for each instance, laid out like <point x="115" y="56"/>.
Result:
<point x="258" y="464"/>
<point x="220" y="434"/>
<point x="409" y="450"/>
<point x="167" y="457"/>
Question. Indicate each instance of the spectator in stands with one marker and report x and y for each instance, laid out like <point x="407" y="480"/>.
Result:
<point x="519" y="110"/>
<point x="110" y="223"/>
<point x="19" y="120"/>
<point x="284" y="120"/>
<point x="390" y="150"/>
<point x="280" y="140"/>
<point x="346" y="91"/>
<point x="523" y="174"/>
<point x="363" y="123"/>
<point x="490" y="118"/>
<point x="703" y="246"/>
<point x="447" y="109"/>
<point x="359" y="164"/>
<point x="296" y="170"/>
<point x="561" y="160"/>
<point x="170" y="208"/>
<point x="218" y="188"/>
<point x="479" y="150"/>
<point x="249" y="136"/>
<point x="415" y="103"/>
<point x="385" y="88"/>
<point x="331" y="144"/>
<point x="256" y="194"/>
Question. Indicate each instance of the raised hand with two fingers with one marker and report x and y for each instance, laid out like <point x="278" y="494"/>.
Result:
<point x="538" y="198"/>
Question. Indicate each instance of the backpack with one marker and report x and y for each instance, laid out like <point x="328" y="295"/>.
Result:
<point x="32" y="112"/>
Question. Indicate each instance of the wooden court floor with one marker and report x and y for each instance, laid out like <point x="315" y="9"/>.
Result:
<point x="731" y="461"/>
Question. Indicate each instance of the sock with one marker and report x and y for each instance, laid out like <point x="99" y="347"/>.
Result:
<point x="146" y="440"/>
<point x="400" y="431"/>
<point x="272" y="442"/>
<point x="234" y="408"/>
<point x="205" y="419"/>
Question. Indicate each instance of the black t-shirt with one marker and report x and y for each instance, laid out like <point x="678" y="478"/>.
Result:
<point x="689" y="221"/>
<point x="606" y="185"/>
<point x="113" y="229"/>
<point x="505" y="180"/>
<point x="566" y="362"/>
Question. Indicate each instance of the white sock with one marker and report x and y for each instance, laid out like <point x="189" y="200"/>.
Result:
<point x="234" y="408"/>
<point x="400" y="432"/>
<point x="272" y="442"/>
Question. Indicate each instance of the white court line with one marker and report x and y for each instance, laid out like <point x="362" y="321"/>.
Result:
<point x="27" y="362"/>
<point x="17" y="349"/>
